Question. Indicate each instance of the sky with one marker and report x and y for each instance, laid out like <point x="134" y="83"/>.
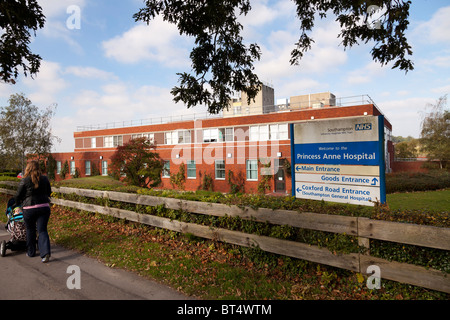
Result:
<point x="100" y="66"/>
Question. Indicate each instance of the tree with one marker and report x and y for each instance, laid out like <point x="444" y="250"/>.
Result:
<point x="25" y="130"/>
<point x="64" y="170"/>
<point x="397" y="139"/>
<point x="406" y="149"/>
<point x="17" y="19"/>
<point x="137" y="164"/>
<point x="222" y="64"/>
<point x="51" y="167"/>
<point x="435" y="134"/>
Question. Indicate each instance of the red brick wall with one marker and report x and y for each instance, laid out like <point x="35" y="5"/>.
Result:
<point x="409" y="166"/>
<point x="205" y="155"/>
<point x="80" y="158"/>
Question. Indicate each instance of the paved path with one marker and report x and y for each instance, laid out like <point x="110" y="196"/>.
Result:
<point x="22" y="277"/>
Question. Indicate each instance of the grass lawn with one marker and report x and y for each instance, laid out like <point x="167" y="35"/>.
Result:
<point x="424" y="200"/>
<point x="95" y="181"/>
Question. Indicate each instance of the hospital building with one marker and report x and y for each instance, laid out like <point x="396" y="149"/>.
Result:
<point x="249" y="141"/>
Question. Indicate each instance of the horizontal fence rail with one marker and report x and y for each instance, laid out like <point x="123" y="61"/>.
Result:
<point x="363" y="228"/>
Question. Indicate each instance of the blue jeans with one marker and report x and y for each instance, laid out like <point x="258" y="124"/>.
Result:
<point x="33" y="218"/>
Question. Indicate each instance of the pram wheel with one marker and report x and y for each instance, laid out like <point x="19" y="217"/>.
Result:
<point x="3" y="248"/>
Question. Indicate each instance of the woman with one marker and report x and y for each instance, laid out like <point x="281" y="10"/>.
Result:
<point x="33" y="195"/>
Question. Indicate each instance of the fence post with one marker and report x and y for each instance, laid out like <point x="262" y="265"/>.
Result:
<point x="362" y="241"/>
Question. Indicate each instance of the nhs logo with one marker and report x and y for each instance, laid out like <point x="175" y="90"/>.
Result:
<point x="363" y="126"/>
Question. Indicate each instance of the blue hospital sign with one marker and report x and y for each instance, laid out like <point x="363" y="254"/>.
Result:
<point x="340" y="160"/>
<point x="360" y="153"/>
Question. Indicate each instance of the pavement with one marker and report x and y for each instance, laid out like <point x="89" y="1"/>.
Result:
<point x="70" y="275"/>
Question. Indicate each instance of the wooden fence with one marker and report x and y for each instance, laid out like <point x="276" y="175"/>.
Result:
<point x="363" y="228"/>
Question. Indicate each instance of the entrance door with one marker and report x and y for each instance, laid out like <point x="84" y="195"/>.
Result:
<point x="280" y="179"/>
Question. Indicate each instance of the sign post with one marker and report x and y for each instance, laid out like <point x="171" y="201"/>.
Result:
<point x="340" y="160"/>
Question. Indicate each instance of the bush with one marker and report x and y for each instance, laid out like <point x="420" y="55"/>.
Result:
<point x="9" y="174"/>
<point x="407" y="182"/>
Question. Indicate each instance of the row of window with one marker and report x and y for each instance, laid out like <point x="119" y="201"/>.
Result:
<point x="256" y="133"/>
<point x="108" y="141"/>
<point x="219" y="169"/>
<point x="87" y="166"/>
<point x="269" y="132"/>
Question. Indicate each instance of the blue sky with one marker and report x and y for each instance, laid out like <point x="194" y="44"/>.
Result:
<point x="115" y="69"/>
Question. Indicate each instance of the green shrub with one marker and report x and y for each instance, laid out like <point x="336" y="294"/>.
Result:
<point x="407" y="182"/>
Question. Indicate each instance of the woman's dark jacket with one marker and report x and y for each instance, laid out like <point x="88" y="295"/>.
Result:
<point x="27" y="195"/>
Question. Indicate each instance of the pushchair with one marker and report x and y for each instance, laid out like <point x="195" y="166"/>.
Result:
<point x="16" y="227"/>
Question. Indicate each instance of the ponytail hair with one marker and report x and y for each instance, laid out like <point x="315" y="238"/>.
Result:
<point x="34" y="172"/>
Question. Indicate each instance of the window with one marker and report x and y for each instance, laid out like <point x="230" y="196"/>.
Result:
<point x="269" y="132"/>
<point x="273" y="132"/>
<point x="150" y="136"/>
<point x="108" y="142"/>
<point x="218" y="135"/>
<point x="166" y="169"/>
<point x="191" y="169"/>
<point x="278" y="131"/>
<point x="104" y="168"/>
<point x="184" y="136"/>
<point x="254" y="133"/>
<point x="170" y="137"/>
<point x="283" y="131"/>
<point x="263" y="133"/>
<point x="174" y="137"/>
<point x="72" y="168"/>
<point x="112" y="141"/>
<point x="252" y="169"/>
<point x="229" y="134"/>
<point x="210" y="135"/>
<point x="220" y="169"/>
<point x="93" y="142"/>
<point x="117" y="141"/>
<point x="87" y="166"/>
<point x="58" y="167"/>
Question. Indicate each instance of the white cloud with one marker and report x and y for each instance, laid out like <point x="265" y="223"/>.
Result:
<point x="405" y="114"/>
<point x="442" y="90"/>
<point x="6" y="90"/>
<point x="91" y="73"/>
<point x="47" y="84"/>
<point x="299" y="87"/>
<point x="440" y="61"/>
<point x="118" y="102"/>
<point x="324" y="56"/>
<point x="62" y="128"/>
<point x="159" y="41"/>
<point x="53" y="8"/>
<point x="263" y="12"/>
<point x="56" y="15"/>
<point x="436" y="29"/>
<point x="366" y="74"/>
